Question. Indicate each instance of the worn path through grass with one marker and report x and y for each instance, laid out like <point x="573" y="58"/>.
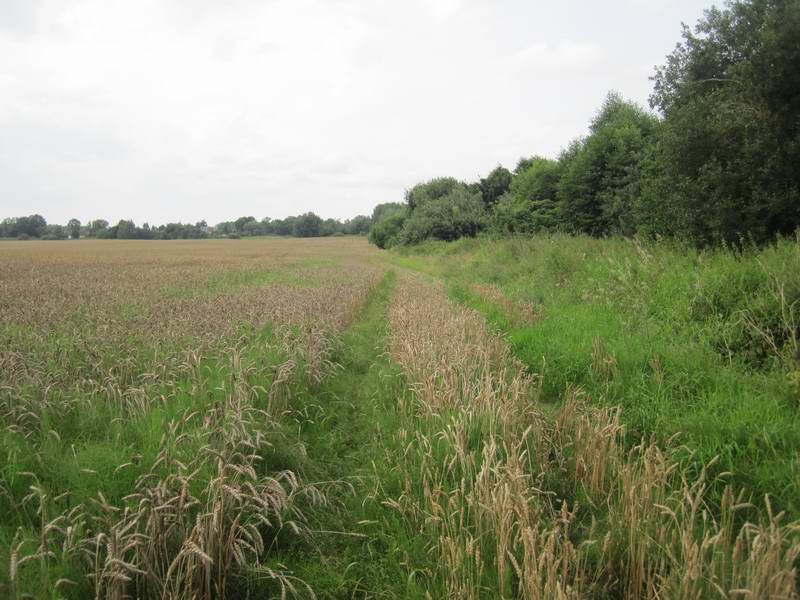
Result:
<point x="360" y="547"/>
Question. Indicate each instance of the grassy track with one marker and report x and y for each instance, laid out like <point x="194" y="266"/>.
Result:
<point x="360" y="549"/>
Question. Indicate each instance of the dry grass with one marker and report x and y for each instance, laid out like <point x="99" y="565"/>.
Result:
<point x="556" y="507"/>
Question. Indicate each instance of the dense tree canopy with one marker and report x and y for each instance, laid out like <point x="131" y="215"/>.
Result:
<point x="530" y="205"/>
<point x="307" y="225"/>
<point x="730" y="146"/>
<point x="460" y="213"/>
<point x="431" y="190"/>
<point x="601" y="174"/>
<point x="717" y="163"/>
<point x="494" y="185"/>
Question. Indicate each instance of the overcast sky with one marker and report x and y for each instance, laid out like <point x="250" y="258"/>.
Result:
<point x="167" y="110"/>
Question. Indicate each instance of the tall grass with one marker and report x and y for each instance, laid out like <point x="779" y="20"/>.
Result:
<point x="519" y="503"/>
<point x="697" y="343"/>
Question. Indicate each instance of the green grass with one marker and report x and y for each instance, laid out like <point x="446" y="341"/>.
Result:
<point x="75" y="453"/>
<point x="361" y="548"/>
<point x="702" y="343"/>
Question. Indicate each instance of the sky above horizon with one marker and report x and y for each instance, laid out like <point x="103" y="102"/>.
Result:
<point x="182" y="110"/>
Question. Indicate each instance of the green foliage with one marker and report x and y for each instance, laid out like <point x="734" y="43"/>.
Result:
<point x="96" y="227"/>
<point x="55" y="232"/>
<point x="601" y="174"/>
<point x="308" y="225"/>
<point x="730" y="95"/>
<point x="719" y="165"/>
<point x="530" y="205"/>
<point x="456" y="214"/>
<point x="126" y="230"/>
<point x="381" y="211"/>
<point x="434" y="189"/>
<point x="358" y="225"/>
<point x="495" y="185"/>
<point x="74" y="229"/>
<point x="386" y="232"/>
<point x="33" y="226"/>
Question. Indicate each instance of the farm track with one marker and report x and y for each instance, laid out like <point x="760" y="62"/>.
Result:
<point x="346" y="425"/>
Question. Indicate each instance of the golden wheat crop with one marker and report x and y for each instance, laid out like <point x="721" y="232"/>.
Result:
<point x="161" y="341"/>
<point x="538" y="506"/>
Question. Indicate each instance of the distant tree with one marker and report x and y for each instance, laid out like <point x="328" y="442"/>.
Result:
<point x="284" y="226"/>
<point x="330" y="227"/>
<point x="32" y="226"/>
<point x="224" y="228"/>
<point x="358" y="225"/>
<point x="252" y="228"/>
<point x="8" y="227"/>
<point x="308" y="225"/>
<point x="126" y="230"/>
<point x="96" y="227"/>
<point x="495" y="185"/>
<point x="74" y="228"/>
<point x="276" y="227"/>
<point x="55" y="232"/>
<point x="239" y="224"/>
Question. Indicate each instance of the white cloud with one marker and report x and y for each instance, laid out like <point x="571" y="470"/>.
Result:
<point x="565" y="55"/>
<point x="187" y="109"/>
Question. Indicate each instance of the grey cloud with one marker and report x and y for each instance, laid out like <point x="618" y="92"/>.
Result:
<point x="18" y="16"/>
<point x="26" y="139"/>
<point x="190" y="109"/>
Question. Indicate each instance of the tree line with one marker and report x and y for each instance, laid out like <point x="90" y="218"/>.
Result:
<point x="305" y="225"/>
<point x="715" y="160"/>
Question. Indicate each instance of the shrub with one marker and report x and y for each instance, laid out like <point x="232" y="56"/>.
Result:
<point x="455" y="215"/>
<point x="384" y="234"/>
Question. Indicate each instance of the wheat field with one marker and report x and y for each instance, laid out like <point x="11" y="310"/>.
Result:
<point x="306" y="418"/>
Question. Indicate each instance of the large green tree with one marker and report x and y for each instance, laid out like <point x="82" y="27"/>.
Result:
<point x="730" y="148"/>
<point x="530" y="205"/>
<point x="601" y="175"/>
<point x="308" y="225"/>
<point x="431" y="190"/>
<point x="494" y="185"/>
